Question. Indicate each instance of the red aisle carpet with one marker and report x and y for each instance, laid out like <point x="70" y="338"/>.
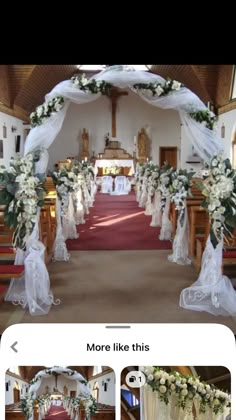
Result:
<point x="117" y="223"/>
<point x="57" y="413"/>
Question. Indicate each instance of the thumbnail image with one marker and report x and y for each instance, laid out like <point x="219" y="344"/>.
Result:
<point x="60" y="393"/>
<point x="175" y="393"/>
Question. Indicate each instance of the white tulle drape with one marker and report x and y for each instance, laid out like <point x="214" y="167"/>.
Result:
<point x="166" y="226"/>
<point x="60" y="252"/>
<point x="212" y="292"/>
<point x="68" y="221"/>
<point x="83" y="388"/>
<point x="156" y="212"/>
<point x="32" y="290"/>
<point x="152" y="408"/>
<point x="180" y="245"/>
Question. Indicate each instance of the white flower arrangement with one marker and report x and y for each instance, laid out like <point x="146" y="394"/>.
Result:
<point x="165" y="183"/>
<point x="187" y="389"/>
<point x="22" y="192"/>
<point x="44" y="111"/>
<point x="181" y="188"/>
<point x="219" y="189"/>
<point x="157" y="88"/>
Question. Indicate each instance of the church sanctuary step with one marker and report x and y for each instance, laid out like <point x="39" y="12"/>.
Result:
<point x="9" y="271"/>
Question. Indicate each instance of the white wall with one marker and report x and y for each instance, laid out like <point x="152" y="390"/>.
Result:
<point x="61" y="382"/>
<point x="9" y="142"/>
<point x="229" y="119"/>
<point x="9" y="395"/>
<point x="107" y="397"/>
<point x="162" y="126"/>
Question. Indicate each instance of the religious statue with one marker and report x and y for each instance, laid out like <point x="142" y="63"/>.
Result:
<point x="142" y="143"/>
<point x="107" y="139"/>
<point x="85" y="141"/>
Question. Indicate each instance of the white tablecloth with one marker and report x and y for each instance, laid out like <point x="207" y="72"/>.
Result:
<point x="107" y="163"/>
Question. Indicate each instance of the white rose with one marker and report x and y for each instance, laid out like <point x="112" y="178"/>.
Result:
<point x="176" y="85"/>
<point x="162" y="381"/>
<point x="162" y="389"/>
<point x="184" y="392"/>
<point x="150" y="377"/>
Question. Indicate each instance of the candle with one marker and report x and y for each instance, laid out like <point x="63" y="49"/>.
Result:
<point x="135" y="138"/>
<point x="85" y="159"/>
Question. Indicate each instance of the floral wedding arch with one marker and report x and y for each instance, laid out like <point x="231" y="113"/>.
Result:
<point x="27" y="403"/>
<point x="47" y="121"/>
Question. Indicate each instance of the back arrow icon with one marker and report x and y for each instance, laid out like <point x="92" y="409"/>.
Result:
<point x="13" y="346"/>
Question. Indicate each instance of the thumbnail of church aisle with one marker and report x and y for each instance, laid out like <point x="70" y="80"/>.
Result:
<point x="118" y="271"/>
<point x="60" y="393"/>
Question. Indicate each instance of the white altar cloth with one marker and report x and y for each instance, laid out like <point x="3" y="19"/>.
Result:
<point x="107" y="163"/>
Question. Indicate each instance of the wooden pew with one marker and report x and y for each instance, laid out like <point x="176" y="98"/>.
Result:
<point x="198" y="222"/>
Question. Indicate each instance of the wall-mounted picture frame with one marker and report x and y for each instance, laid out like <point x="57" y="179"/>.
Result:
<point x="1" y="149"/>
<point x="4" y="131"/>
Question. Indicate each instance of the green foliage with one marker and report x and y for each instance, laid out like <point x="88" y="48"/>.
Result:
<point x="204" y="116"/>
<point x="160" y="89"/>
<point x="43" y="112"/>
<point x="91" y="85"/>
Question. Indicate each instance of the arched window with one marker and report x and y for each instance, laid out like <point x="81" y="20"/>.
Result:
<point x="96" y="370"/>
<point x="233" y="89"/>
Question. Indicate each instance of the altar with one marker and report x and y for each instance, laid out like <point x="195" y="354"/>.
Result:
<point x="114" y="167"/>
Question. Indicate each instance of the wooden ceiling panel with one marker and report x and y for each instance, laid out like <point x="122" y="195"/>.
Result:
<point x="193" y="77"/>
<point x="18" y="76"/>
<point x="42" y="80"/>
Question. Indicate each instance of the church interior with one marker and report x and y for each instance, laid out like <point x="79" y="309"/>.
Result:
<point x="111" y="265"/>
<point x="136" y="405"/>
<point x="59" y="391"/>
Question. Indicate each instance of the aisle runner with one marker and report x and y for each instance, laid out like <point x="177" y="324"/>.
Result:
<point x="117" y="223"/>
<point x="57" y="413"/>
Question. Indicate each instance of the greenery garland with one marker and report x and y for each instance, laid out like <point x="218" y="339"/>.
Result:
<point x="160" y="89"/>
<point x="205" y="117"/>
<point x="91" y="85"/>
<point x="43" y="112"/>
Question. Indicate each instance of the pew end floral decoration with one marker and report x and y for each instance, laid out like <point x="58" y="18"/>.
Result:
<point x="21" y="192"/>
<point x="219" y="190"/>
<point x="181" y="189"/>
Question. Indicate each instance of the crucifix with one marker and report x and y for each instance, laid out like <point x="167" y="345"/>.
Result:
<point x="114" y="94"/>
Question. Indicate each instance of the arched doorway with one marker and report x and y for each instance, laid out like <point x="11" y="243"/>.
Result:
<point x="16" y="393"/>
